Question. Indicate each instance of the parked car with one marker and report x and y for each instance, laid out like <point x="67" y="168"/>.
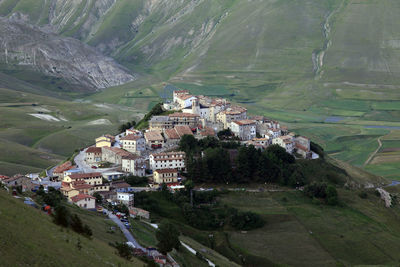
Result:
<point x="94" y="167"/>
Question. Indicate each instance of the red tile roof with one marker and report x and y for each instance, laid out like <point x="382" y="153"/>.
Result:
<point x="153" y="136"/>
<point x="166" y="171"/>
<point x="244" y="122"/>
<point x="118" y="151"/>
<point x="180" y="114"/>
<point x="171" y="134"/>
<point x="94" y="149"/>
<point x="80" y="197"/>
<point x="63" y="167"/>
<point x="182" y="130"/>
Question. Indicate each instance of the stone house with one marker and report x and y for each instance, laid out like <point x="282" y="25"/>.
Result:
<point x="133" y="143"/>
<point x="244" y="129"/>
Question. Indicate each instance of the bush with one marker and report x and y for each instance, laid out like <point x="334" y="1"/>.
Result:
<point x="363" y="195"/>
<point x="246" y="221"/>
<point x="124" y="250"/>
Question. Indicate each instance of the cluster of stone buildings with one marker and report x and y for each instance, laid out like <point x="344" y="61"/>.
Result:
<point x="218" y="114"/>
<point x="151" y="154"/>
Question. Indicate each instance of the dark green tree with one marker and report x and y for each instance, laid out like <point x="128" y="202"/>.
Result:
<point x="62" y="216"/>
<point x="168" y="237"/>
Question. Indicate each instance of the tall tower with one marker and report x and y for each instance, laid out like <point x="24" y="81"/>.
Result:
<point x="195" y="106"/>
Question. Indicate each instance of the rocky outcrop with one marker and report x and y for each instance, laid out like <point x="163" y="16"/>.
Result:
<point x="64" y="57"/>
<point x="385" y="196"/>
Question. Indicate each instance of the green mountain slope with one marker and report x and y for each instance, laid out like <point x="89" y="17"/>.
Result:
<point x="326" y="68"/>
<point x="29" y="237"/>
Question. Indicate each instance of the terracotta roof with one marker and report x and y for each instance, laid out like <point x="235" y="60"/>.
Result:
<point x="80" y="197"/>
<point x="171" y="134"/>
<point x="181" y="91"/>
<point x="208" y="131"/>
<point x="120" y="184"/>
<point x="153" y="136"/>
<point x="234" y="110"/>
<point x="131" y="137"/>
<point x="63" y="167"/>
<point x="93" y="149"/>
<point x="82" y="186"/>
<point x="180" y="114"/>
<point x="182" y="130"/>
<point x="184" y="96"/>
<point x="84" y="175"/>
<point x="166" y="171"/>
<point x="131" y="156"/>
<point x="301" y="147"/>
<point x="118" y="151"/>
<point x="244" y="122"/>
<point x="4" y="177"/>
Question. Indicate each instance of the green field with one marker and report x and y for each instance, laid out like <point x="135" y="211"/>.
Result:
<point x="303" y="234"/>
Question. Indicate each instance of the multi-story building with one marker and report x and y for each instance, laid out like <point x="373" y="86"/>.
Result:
<point x="183" y="98"/>
<point x="160" y="123"/>
<point x="302" y="146"/>
<point x="244" y="129"/>
<point x="154" y="139"/>
<point x="125" y="198"/>
<point x="92" y="178"/>
<point x="199" y="109"/>
<point x="133" y="143"/>
<point x="285" y="141"/>
<point x="234" y="113"/>
<point x="165" y="176"/>
<point x="171" y="160"/>
<point x="113" y="154"/>
<point x="75" y="188"/>
<point x="93" y="154"/>
<point x="134" y="164"/>
<point x="178" y="118"/>
<point x="104" y="141"/>
<point x="60" y="169"/>
<point x="84" y="201"/>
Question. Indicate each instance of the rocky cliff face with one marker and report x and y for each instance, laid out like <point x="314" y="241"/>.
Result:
<point x="68" y="58"/>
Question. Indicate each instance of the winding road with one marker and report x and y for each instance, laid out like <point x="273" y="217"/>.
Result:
<point x="125" y="231"/>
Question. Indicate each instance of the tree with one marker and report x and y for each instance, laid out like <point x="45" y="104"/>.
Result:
<point x="61" y="216"/>
<point x="168" y="237"/>
<point x="124" y="250"/>
<point x="188" y="144"/>
<point x="99" y="198"/>
<point x="280" y="155"/>
<point x="331" y="195"/>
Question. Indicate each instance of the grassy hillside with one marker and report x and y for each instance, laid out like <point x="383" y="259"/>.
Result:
<point x="30" y="142"/>
<point x="301" y="233"/>
<point x="29" y="237"/>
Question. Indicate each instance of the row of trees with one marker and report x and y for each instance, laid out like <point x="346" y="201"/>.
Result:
<point x="210" y="160"/>
<point x="126" y="126"/>
<point x="64" y="218"/>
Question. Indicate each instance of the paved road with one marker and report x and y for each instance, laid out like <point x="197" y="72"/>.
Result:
<point x="126" y="232"/>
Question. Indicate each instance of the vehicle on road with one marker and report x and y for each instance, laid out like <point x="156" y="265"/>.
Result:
<point x="94" y="167"/>
<point x="130" y="244"/>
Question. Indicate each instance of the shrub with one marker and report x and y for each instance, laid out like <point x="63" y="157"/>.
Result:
<point x="363" y="194"/>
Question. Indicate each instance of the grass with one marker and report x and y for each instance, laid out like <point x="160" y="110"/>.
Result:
<point x="29" y="237"/>
<point x="361" y="232"/>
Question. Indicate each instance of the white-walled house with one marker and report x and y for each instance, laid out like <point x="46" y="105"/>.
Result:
<point x="133" y="143"/>
<point x="134" y="164"/>
<point x="84" y="201"/>
<point x="171" y="160"/>
<point x="125" y="198"/>
<point x="244" y="129"/>
<point x="285" y="141"/>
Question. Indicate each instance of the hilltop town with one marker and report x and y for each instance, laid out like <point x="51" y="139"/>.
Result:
<point x="153" y="152"/>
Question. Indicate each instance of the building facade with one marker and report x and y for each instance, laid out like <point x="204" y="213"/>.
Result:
<point x="244" y="129"/>
<point x="165" y="176"/>
<point x="133" y="143"/>
<point x="170" y="160"/>
<point x="93" y="155"/>
<point x="134" y="164"/>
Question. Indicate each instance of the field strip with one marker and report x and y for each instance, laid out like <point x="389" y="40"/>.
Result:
<point x="374" y="153"/>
